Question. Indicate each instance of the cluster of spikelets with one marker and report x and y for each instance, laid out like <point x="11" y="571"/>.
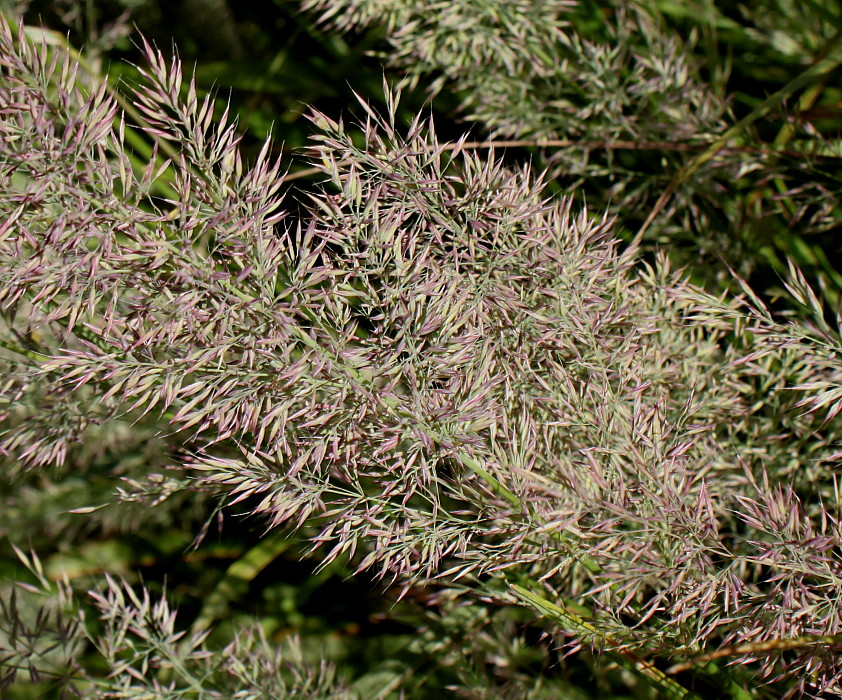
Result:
<point x="596" y="83"/>
<point x="450" y="375"/>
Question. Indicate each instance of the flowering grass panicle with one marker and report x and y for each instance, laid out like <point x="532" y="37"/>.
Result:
<point x="635" y="108"/>
<point x="435" y="369"/>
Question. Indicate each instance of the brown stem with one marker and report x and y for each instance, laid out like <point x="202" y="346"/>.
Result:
<point x="568" y="143"/>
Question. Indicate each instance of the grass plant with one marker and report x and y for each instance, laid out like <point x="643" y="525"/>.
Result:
<point x="573" y="466"/>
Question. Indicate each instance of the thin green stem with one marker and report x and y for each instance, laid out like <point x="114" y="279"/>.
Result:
<point x="832" y="58"/>
<point x="586" y="631"/>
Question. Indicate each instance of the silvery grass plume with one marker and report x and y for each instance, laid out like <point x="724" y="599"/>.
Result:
<point x="576" y="76"/>
<point x="448" y="374"/>
<point x="45" y="630"/>
<point x="625" y="101"/>
<point x="526" y="70"/>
